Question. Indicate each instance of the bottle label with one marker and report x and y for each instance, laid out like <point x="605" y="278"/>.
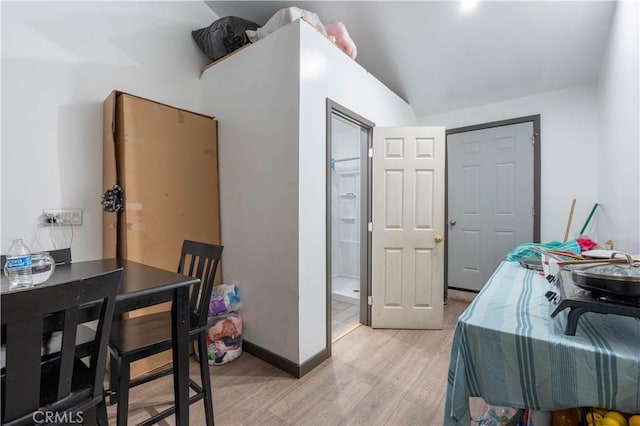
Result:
<point x="18" y="262"/>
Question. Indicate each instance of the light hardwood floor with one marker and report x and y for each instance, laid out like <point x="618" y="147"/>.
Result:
<point x="343" y="316"/>
<point x="375" y="377"/>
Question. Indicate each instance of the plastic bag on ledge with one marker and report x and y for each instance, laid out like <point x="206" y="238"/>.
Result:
<point x="283" y="17"/>
<point x="338" y="34"/>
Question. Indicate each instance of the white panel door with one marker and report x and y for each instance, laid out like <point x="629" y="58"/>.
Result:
<point x="408" y="224"/>
<point x="490" y="194"/>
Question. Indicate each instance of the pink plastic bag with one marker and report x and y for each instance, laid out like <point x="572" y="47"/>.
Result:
<point x="337" y="33"/>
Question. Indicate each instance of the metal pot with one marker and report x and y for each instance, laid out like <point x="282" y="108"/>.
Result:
<point x="618" y="279"/>
<point x="534" y="263"/>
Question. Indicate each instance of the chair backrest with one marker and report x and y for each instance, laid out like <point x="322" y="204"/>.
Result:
<point x="61" y="256"/>
<point x="200" y="260"/>
<point x="23" y="315"/>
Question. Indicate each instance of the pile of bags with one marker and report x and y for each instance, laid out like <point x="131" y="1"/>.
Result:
<point x="228" y="34"/>
<point x="224" y="325"/>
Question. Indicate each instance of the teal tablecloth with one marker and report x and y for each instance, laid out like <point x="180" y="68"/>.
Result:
<point x="509" y="351"/>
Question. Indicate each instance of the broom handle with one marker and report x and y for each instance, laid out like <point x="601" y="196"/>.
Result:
<point x="593" y="210"/>
<point x="566" y="233"/>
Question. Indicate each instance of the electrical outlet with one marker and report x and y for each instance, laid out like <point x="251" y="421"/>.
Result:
<point x="63" y="216"/>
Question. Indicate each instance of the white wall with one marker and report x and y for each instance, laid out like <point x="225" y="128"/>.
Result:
<point x="619" y="136"/>
<point x="254" y="95"/>
<point x="569" y="138"/>
<point x="59" y="62"/>
<point x="325" y="72"/>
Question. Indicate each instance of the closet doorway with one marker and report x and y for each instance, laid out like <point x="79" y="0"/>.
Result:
<point x="349" y="138"/>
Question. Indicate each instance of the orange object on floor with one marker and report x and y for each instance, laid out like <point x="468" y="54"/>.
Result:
<point x="566" y="417"/>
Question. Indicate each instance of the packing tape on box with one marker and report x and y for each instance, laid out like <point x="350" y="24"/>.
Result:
<point x="157" y="112"/>
<point x="133" y="206"/>
<point x="133" y="140"/>
<point x="139" y="226"/>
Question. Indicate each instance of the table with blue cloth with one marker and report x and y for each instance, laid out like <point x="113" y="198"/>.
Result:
<point x="509" y="351"/>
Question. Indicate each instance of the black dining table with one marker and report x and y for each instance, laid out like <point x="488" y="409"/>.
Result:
<point x="142" y="286"/>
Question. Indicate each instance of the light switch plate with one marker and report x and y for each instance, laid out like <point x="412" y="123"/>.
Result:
<point x="63" y="216"/>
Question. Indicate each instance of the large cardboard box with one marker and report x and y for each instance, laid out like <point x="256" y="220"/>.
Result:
<point x="165" y="160"/>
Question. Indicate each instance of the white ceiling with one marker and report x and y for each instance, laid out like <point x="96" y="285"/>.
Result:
<point x="440" y="59"/>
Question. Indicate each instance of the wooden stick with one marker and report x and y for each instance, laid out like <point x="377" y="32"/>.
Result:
<point x="566" y="233"/>
<point x="585" y="262"/>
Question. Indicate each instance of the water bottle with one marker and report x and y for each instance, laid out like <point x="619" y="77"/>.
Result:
<point x="18" y="265"/>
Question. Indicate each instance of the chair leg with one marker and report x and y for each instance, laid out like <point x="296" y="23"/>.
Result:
<point x="90" y="417"/>
<point x="114" y="377"/>
<point x="101" y="413"/>
<point x="205" y="378"/>
<point x="123" y="393"/>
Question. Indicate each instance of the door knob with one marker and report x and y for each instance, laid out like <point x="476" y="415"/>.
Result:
<point x="452" y="222"/>
<point x="438" y="238"/>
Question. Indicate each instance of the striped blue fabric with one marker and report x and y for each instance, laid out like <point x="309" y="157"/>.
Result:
<point x="508" y="350"/>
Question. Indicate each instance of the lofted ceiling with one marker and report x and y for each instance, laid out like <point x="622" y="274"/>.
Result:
<point x="439" y="58"/>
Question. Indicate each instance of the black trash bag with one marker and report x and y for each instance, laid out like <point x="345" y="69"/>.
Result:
<point x="223" y="36"/>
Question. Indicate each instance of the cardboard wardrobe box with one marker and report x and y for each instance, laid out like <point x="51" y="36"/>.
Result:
<point x="165" y="159"/>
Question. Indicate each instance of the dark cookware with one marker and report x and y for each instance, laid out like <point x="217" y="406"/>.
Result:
<point x="612" y="278"/>
<point x="534" y="263"/>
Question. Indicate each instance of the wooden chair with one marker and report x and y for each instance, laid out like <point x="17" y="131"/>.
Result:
<point x="63" y="386"/>
<point x="141" y="337"/>
<point x="61" y="256"/>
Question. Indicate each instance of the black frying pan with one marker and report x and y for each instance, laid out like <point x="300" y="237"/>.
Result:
<point x="611" y="278"/>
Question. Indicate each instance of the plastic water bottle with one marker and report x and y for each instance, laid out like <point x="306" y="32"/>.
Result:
<point x="18" y="265"/>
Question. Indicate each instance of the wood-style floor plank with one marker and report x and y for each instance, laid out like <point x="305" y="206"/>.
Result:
<point x="335" y="406"/>
<point x="330" y="389"/>
<point x="343" y="316"/>
<point x="391" y="385"/>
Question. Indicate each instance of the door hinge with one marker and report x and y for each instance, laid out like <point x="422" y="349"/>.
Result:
<point x="533" y="211"/>
<point x="533" y="138"/>
<point x="370" y="153"/>
<point x="370" y="300"/>
<point x="370" y="226"/>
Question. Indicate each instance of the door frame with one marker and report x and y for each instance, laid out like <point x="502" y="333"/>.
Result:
<point x="535" y="119"/>
<point x="333" y="107"/>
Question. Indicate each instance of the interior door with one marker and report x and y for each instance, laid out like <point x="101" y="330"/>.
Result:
<point x="408" y="224"/>
<point x="490" y="200"/>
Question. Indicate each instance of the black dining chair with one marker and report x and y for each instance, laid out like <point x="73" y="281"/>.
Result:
<point x="64" y="388"/>
<point x="51" y="340"/>
<point x="52" y="336"/>
<point x="137" y="338"/>
<point x="60" y="256"/>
